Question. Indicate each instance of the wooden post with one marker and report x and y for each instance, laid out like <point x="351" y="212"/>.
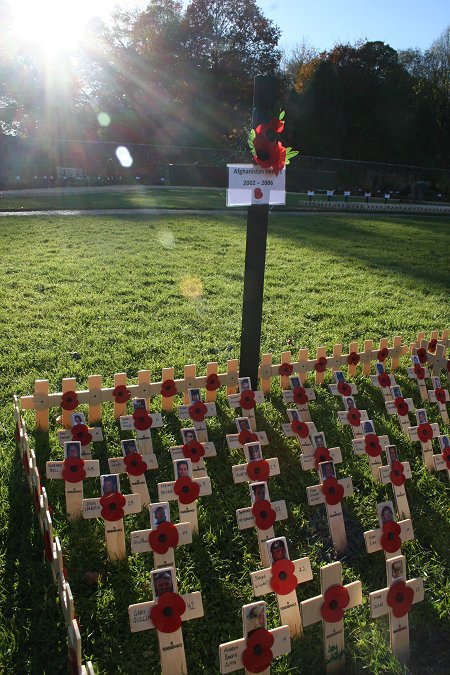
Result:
<point x="390" y="535"/>
<point x="247" y="400"/>
<point x="424" y="432"/>
<point x="401" y="407"/>
<point x="194" y="450"/>
<point x="396" y="473"/>
<point x="135" y="465"/>
<point x="186" y="490"/>
<point x="419" y="373"/>
<point x="442" y="461"/>
<point x="245" y="434"/>
<point x="196" y="411"/>
<point x="371" y="445"/>
<point x="299" y="395"/>
<point x="440" y="396"/>
<point x="256" y="468"/>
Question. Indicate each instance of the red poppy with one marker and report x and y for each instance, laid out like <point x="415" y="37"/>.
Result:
<point x="121" y="394"/>
<point x="270" y="130"/>
<point x="266" y="152"/>
<point x="419" y="372"/>
<point x="166" y="614"/>
<point x="332" y="490"/>
<point x="353" y="359"/>
<point x="112" y="506"/>
<point x="197" y="411"/>
<point x="425" y="432"/>
<point x="257" y="655"/>
<point x="354" y="417"/>
<point x="372" y="445"/>
<point x="142" y="420"/>
<point x="73" y="471"/>
<point x="283" y="580"/>
<point x="446" y="457"/>
<point x="163" y="537"/>
<point x="422" y="355"/>
<point x="390" y="539"/>
<point x="344" y="389"/>
<point x="322" y="455"/>
<point x="285" y="369"/>
<point x="384" y="380"/>
<point x="335" y="600"/>
<point x="432" y="345"/>
<point x="258" y="470"/>
<point x="439" y="392"/>
<point x="401" y="405"/>
<point x="69" y="400"/>
<point x="320" y="365"/>
<point x="300" y="395"/>
<point x="264" y="514"/>
<point x="168" y="388"/>
<point x="247" y="400"/>
<point x="400" y="598"/>
<point x="383" y="354"/>
<point x="300" y="428"/>
<point x="193" y="451"/>
<point x="247" y="436"/>
<point x="397" y="476"/>
<point x="80" y="432"/>
<point x="135" y="464"/>
<point x="212" y="382"/>
<point x="186" y="490"/>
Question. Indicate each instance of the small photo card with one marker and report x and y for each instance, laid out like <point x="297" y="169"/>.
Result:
<point x="385" y="512"/>
<point x="254" y="617"/>
<point x="319" y="441"/>
<point x="277" y="549"/>
<point x="391" y="454"/>
<point x="327" y="470"/>
<point x="444" y="442"/>
<point x="129" y="446"/>
<point x="349" y="402"/>
<point x="194" y="395"/>
<point x="72" y="449"/>
<point x="189" y="435"/>
<point x="159" y="513"/>
<point x="182" y="468"/>
<point x="397" y="569"/>
<point x="243" y="424"/>
<point x="253" y="451"/>
<point x="244" y="384"/>
<point x="339" y="376"/>
<point x="293" y="415"/>
<point x="415" y="360"/>
<point x="163" y="581"/>
<point x="379" y="368"/>
<point x="421" y="416"/>
<point x="436" y="382"/>
<point x="258" y="492"/>
<point x="139" y="403"/>
<point x="77" y="418"/>
<point x="368" y="427"/>
<point x="109" y="483"/>
<point x="396" y="392"/>
<point x="295" y="381"/>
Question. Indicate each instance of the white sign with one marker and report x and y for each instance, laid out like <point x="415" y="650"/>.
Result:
<point x="250" y="184"/>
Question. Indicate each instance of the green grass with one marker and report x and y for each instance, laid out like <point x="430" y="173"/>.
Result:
<point x="137" y="292"/>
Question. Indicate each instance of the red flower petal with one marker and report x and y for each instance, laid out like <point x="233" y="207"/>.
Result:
<point x="353" y="359"/>
<point x="166" y="614"/>
<point x="168" y="388"/>
<point x="80" y="432"/>
<point x="264" y="514"/>
<point x="73" y="471"/>
<point x="186" y="490"/>
<point x="247" y="436"/>
<point x="257" y="655"/>
<point x="446" y="457"/>
<point x="112" y="506"/>
<point x="372" y="445"/>
<point x="283" y="580"/>
<point x="320" y="365"/>
<point x="432" y="345"/>
<point x="247" y="400"/>
<point x="300" y="428"/>
<point x="135" y="464"/>
<point x="425" y="432"/>
<point x="285" y="369"/>
<point x="422" y="355"/>
<point x="212" y="382"/>
<point x="344" y="389"/>
<point x="163" y="537"/>
<point x="121" y="394"/>
<point x="332" y="490"/>
<point x="384" y="380"/>
<point x="142" y="420"/>
<point x="197" y="411"/>
<point x="193" y="451"/>
<point x="322" y="455"/>
<point x="69" y="400"/>
<point x="335" y="600"/>
<point x="397" y="476"/>
<point x="300" y="395"/>
<point x="390" y="539"/>
<point x="258" y="470"/>
<point x="383" y="354"/>
<point x="354" y="417"/>
<point x="400" y="598"/>
<point x="419" y="372"/>
<point x="439" y="392"/>
<point x="401" y="405"/>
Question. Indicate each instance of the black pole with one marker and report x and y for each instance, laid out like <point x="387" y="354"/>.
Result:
<point x="264" y="98"/>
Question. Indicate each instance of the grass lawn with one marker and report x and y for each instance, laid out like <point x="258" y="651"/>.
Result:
<point x="137" y="292"/>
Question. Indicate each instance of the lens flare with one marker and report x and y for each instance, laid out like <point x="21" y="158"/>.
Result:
<point x="166" y="238"/>
<point x="104" y="119"/>
<point x="124" y="157"/>
<point x="192" y="288"/>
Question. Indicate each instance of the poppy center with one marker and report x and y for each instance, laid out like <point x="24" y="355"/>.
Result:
<point x="134" y="462"/>
<point x="391" y="536"/>
<point x="113" y="507"/>
<point x="185" y="489"/>
<point x="73" y="469"/>
<point x="283" y="576"/>
<point x="263" y="514"/>
<point x="167" y="611"/>
<point x="270" y="135"/>
<point x="334" y="604"/>
<point x="257" y="470"/>
<point x="162" y="538"/>
<point x="258" y="650"/>
<point x="331" y="490"/>
<point x="194" y="451"/>
<point x="399" y="597"/>
<point x="263" y="155"/>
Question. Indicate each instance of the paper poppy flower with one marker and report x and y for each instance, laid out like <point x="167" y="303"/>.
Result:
<point x="285" y="369"/>
<point x="186" y="490"/>
<point x="422" y="355"/>
<point x="401" y="405"/>
<point x="270" y="130"/>
<point x="247" y="400"/>
<point x="257" y="655"/>
<point x="332" y="490"/>
<point x="166" y="614"/>
<point x="80" y="432"/>
<point x="73" y="471"/>
<point x="69" y="400"/>
<point x="163" y="537"/>
<point x="425" y="432"/>
<point x="335" y="600"/>
<point x="390" y="539"/>
<point x="397" y="475"/>
<point x="246" y="436"/>
<point x="300" y="396"/>
<point x="446" y="457"/>
<point x="212" y="382"/>
<point x="135" y="464"/>
<point x="121" y="394"/>
<point x="354" y="417"/>
<point x="383" y="354"/>
<point x="322" y="455"/>
<point x="300" y="428"/>
<point x="432" y="345"/>
<point x="400" y="598"/>
<point x="197" y="411"/>
<point x="266" y="153"/>
<point x="193" y="451"/>
<point x="142" y="420"/>
<point x="283" y="580"/>
<point x="372" y="445"/>
<point x="384" y="380"/>
<point x="258" y="470"/>
<point x="439" y="392"/>
<point x="419" y="372"/>
<point x="112" y="506"/>
<point x="320" y="365"/>
<point x="264" y="514"/>
<point x="168" y="388"/>
<point x="353" y="359"/>
<point x="344" y="389"/>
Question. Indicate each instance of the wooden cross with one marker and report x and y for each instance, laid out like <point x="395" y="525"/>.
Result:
<point x="401" y="407"/>
<point x="438" y="361"/>
<point x="316" y="452"/>
<point x="329" y="607"/>
<point x="245" y="434"/>
<point x="262" y="515"/>
<point x="383" y="381"/>
<point x="390" y="535"/>
<point x="79" y="431"/>
<point x="194" y="450"/>
<point x="186" y="490"/>
<point x="165" y="613"/>
<point x="424" y="432"/>
<point x="142" y="422"/>
<point x="112" y="507"/>
<point x="162" y="537"/>
<point x="246" y="399"/>
<point x="282" y="578"/>
<point x="73" y="470"/>
<point x="419" y="373"/>
<point x="371" y="445"/>
<point x="197" y="411"/>
<point x="259" y="646"/>
<point x="256" y="468"/>
<point x="297" y="428"/>
<point x="352" y="416"/>
<point x="442" y="461"/>
<point x="396" y="601"/>
<point x="396" y="473"/>
<point x="74" y="651"/>
<point x="342" y="388"/>
<point x="135" y="465"/>
<point x="440" y="396"/>
<point x="301" y="396"/>
<point x="330" y="492"/>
